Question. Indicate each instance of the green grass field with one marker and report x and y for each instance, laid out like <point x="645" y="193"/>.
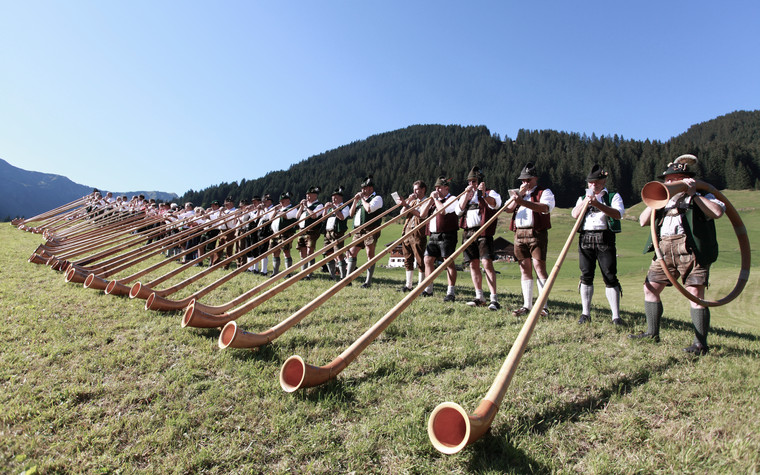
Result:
<point x="94" y="383"/>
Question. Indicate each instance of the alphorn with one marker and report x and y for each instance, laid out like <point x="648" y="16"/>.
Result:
<point x="119" y="287"/>
<point x="143" y="291"/>
<point x="200" y="314"/>
<point x="52" y="213"/>
<point x="155" y="299"/>
<point x="232" y="337"/>
<point x="656" y="195"/>
<point x="115" y="234"/>
<point x="158" y="302"/>
<point x="450" y="428"/>
<point x="296" y="373"/>
<point x="97" y="280"/>
<point x="196" y="316"/>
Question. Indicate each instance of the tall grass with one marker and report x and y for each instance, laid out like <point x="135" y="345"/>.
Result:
<point x="94" y="383"/>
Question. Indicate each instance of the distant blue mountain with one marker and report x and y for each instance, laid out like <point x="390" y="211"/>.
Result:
<point x="26" y="193"/>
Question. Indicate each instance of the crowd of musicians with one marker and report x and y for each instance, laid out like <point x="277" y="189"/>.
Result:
<point x="263" y="231"/>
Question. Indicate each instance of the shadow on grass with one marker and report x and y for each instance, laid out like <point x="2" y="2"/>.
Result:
<point x="498" y="454"/>
<point x="494" y="452"/>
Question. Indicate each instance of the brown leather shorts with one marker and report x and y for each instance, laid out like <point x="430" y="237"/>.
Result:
<point x="680" y="261"/>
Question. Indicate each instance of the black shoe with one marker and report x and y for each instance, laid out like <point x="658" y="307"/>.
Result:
<point x="494" y="306"/>
<point x="476" y="303"/>
<point x="449" y="298"/>
<point x="584" y="319"/>
<point x="618" y="322"/>
<point x="696" y="349"/>
<point x="425" y="293"/>
<point x="656" y="338"/>
<point x="366" y="285"/>
<point x="405" y="289"/>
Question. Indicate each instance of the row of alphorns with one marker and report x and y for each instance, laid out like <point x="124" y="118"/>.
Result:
<point x="92" y="251"/>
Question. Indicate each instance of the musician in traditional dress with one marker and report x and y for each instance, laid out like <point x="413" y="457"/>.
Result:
<point x="531" y="206"/>
<point x="335" y="227"/>
<point x="477" y="206"/>
<point x="367" y="205"/>
<point x="442" y="235"/>
<point x="596" y="243"/>
<point x="289" y="217"/>
<point x="311" y="210"/>
<point x="689" y="245"/>
<point x="413" y="247"/>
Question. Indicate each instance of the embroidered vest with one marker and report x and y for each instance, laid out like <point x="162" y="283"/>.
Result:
<point x="540" y="221"/>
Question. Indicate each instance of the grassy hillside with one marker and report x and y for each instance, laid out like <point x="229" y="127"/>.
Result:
<point x="95" y="383"/>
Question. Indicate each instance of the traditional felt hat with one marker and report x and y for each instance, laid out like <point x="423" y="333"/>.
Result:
<point x="285" y="196"/>
<point x="681" y="166"/>
<point x="442" y="181"/>
<point x="244" y="202"/>
<point x="256" y="198"/>
<point x="528" y="172"/>
<point x="596" y="173"/>
<point x="267" y="197"/>
<point x="215" y="202"/>
<point x="475" y="174"/>
<point x="338" y="191"/>
<point x="314" y="189"/>
<point x="368" y="181"/>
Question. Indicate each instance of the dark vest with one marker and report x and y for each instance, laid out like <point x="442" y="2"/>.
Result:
<point x="444" y="222"/>
<point x="370" y="216"/>
<point x="540" y="221"/>
<point x="309" y="221"/>
<point x="485" y="212"/>
<point x="701" y="236"/>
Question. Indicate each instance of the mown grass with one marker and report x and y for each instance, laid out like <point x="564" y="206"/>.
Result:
<point x="94" y="383"/>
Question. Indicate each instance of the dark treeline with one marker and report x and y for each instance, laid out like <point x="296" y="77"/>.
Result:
<point x="728" y="149"/>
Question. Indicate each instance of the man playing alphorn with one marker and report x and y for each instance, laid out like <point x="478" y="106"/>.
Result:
<point x="476" y="207"/>
<point x="442" y="235"/>
<point x="366" y="206"/>
<point x="688" y="244"/>
<point x="531" y="220"/>
<point x="335" y="227"/>
<point x="597" y="242"/>
<point x="413" y="247"/>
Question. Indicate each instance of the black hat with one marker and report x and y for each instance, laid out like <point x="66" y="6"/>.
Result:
<point x="229" y="199"/>
<point x="442" y="181"/>
<point x="314" y="189"/>
<point x="596" y="173"/>
<point x="267" y="197"/>
<point x="285" y="195"/>
<point x="256" y="198"/>
<point x="680" y="165"/>
<point x="475" y="174"/>
<point x="528" y="172"/>
<point x="338" y="191"/>
<point x="368" y="181"/>
<point x="244" y="202"/>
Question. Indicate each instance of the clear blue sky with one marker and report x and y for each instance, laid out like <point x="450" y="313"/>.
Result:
<point x="174" y="95"/>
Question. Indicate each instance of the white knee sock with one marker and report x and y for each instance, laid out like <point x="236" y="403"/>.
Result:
<point x="613" y="297"/>
<point x="527" y="290"/>
<point x="587" y="291"/>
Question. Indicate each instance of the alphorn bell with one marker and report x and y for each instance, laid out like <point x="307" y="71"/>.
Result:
<point x="450" y="428"/>
<point x="656" y="195"/>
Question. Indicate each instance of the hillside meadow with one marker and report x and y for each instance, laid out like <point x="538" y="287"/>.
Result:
<point x="92" y="383"/>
